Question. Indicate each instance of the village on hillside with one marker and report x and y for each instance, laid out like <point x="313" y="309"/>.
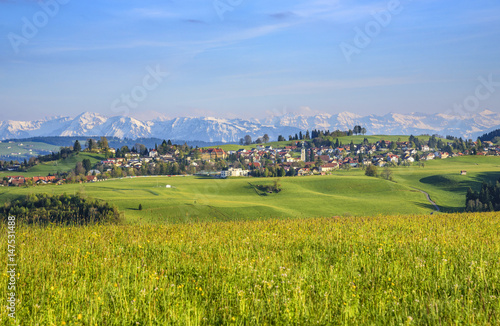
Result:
<point x="299" y="158"/>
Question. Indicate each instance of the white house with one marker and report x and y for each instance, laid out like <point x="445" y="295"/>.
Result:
<point x="232" y="172"/>
<point x="328" y="167"/>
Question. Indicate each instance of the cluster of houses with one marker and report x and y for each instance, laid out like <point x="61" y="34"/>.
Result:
<point x="20" y="180"/>
<point x="326" y="159"/>
<point x="322" y="160"/>
<point x="241" y="163"/>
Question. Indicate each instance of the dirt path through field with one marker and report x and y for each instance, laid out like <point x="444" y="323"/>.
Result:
<point x="428" y="198"/>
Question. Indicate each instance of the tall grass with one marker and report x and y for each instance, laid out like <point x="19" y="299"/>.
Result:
<point x="388" y="270"/>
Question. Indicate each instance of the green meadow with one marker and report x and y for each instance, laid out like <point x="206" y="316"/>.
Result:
<point x="386" y="270"/>
<point x="65" y="165"/>
<point x="342" y="249"/>
<point x="202" y="199"/>
<point x="344" y="193"/>
<point x="22" y="149"/>
<point x="443" y="181"/>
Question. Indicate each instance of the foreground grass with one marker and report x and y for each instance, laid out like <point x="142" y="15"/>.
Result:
<point x="440" y="269"/>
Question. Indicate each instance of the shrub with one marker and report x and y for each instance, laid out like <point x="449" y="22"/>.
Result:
<point x="371" y="171"/>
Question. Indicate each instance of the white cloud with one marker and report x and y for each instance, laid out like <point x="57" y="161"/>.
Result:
<point x="152" y="13"/>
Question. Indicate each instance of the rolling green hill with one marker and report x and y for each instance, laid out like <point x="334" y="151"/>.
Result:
<point x="442" y="179"/>
<point x="343" y="193"/>
<point x="24" y="150"/>
<point x="193" y="199"/>
<point x="53" y="167"/>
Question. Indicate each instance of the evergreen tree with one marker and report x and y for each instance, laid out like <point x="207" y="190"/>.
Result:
<point x="86" y="165"/>
<point x="77" y="147"/>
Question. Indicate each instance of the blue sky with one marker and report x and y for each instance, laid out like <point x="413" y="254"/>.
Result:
<point x="247" y="59"/>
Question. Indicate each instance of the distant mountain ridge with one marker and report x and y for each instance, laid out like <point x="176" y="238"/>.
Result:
<point x="222" y="130"/>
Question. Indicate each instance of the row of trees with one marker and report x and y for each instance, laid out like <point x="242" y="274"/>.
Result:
<point x="247" y="140"/>
<point x="93" y="145"/>
<point x="60" y="209"/>
<point x="485" y="200"/>
<point x="493" y="136"/>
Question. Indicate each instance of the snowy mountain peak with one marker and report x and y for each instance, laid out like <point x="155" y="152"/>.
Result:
<point x="212" y="129"/>
<point x="349" y="115"/>
<point x="486" y="112"/>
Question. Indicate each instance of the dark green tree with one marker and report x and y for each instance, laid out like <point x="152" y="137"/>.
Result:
<point x="77" y="147"/>
<point x="86" y="165"/>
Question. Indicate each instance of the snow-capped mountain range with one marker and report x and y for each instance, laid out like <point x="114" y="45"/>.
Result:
<point x="231" y="130"/>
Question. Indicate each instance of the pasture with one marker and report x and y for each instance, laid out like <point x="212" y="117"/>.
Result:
<point x="65" y="165"/>
<point x="193" y="199"/>
<point x="25" y="149"/>
<point x="384" y="270"/>
<point x="340" y="249"/>
<point x="344" y="193"/>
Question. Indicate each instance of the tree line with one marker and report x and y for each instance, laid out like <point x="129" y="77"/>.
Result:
<point x="314" y="134"/>
<point x="60" y="209"/>
<point x="493" y="136"/>
<point x="485" y="200"/>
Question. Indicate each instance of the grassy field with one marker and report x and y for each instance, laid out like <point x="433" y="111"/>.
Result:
<point x="65" y="165"/>
<point x="24" y="149"/>
<point x="341" y="249"/>
<point x="399" y="270"/>
<point x="345" y="193"/>
<point x="201" y="199"/>
<point x="442" y="179"/>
